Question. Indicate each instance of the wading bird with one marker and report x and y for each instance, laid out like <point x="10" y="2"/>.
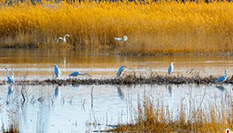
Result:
<point x="63" y="39"/>
<point x="124" y="39"/>
<point x="120" y="70"/>
<point x="10" y="80"/>
<point x="170" y="68"/>
<point x="222" y="78"/>
<point x="77" y="73"/>
<point x="57" y="71"/>
<point x="12" y="74"/>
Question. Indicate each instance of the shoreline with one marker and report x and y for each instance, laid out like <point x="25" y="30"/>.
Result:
<point x="116" y="53"/>
<point x="128" y="80"/>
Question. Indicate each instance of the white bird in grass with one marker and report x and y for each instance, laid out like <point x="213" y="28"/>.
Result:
<point x="10" y="79"/>
<point x="120" y="70"/>
<point x="124" y="39"/>
<point x="170" y="68"/>
<point x="77" y="73"/>
<point x="63" y="39"/>
<point x="57" y="71"/>
<point x="222" y="78"/>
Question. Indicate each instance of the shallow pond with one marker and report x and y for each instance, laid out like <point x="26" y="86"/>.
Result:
<point x="38" y="64"/>
<point x="77" y="108"/>
<point x="73" y="108"/>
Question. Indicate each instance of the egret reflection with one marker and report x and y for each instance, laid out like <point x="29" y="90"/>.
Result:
<point x="170" y="90"/>
<point x="10" y="93"/>
<point x="120" y="93"/>
<point x="57" y="93"/>
<point x="221" y="88"/>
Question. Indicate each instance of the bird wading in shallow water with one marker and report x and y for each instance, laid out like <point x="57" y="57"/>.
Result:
<point x="10" y="79"/>
<point x="63" y="39"/>
<point x="124" y="39"/>
<point x="57" y="71"/>
<point x="222" y="78"/>
<point x="120" y="70"/>
<point x="77" y="73"/>
<point x="170" y="68"/>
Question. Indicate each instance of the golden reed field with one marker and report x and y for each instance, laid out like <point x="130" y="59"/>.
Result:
<point x="152" y="28"/>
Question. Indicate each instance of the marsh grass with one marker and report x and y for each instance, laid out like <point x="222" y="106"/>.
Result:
<point x="152" y="28"/>
<point x="12" y="127"/>
<point x="154" y="117"/>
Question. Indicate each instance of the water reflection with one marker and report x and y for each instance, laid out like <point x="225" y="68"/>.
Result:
<point x="120" y="93"/>
<point x="57" y="93"/>
<point x="10" y="93"/>
<point x="170" y="90"/>
<point x="222" y="89"/>
<point x="43" y="112"/>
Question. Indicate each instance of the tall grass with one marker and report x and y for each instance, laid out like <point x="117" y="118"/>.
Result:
<point x="163" y="27"/>
<point x="154" y="117"/>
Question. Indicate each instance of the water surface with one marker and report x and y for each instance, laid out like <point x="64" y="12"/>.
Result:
<point x="38" y="64"/>
<point x="75" y="108"/>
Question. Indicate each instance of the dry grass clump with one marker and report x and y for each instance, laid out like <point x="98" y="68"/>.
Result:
<point x="155" y="118"/>
<point x="162" y="27"/>
<point x="12" y="128"/>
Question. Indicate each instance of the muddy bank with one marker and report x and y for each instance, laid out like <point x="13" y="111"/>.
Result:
<point x="126" y="81"/>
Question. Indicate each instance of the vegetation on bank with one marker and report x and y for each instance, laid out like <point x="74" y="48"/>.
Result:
<point x="162" y="27"/>
<point x="154" y="117"/>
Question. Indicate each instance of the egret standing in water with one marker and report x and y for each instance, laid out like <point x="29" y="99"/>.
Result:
<point x="120" y="70"/>
<point x="170" y="68"/>
<point x="124" y="39"/>
<point x="77" y="73"/>
<point x="63" y="39"/>
<point x="12" y="74"/>
<point x="10" y="80"/>
<point x="57" y="71"/>
<point x="222" y="78"/>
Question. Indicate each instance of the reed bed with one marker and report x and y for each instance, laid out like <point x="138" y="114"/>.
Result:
<point x="152" y="27"/>
<point x="152" y="116"/>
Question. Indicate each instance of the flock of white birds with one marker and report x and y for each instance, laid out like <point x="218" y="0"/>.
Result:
<point x="57" y="71"/>
<point x="118" y="39"/>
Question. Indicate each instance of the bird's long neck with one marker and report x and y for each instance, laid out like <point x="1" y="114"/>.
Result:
<point x="226" y="74"/>
<point x="65" y="38"/>
<point x="85" y="74"/>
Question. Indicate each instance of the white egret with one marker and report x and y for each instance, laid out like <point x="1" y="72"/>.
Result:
<point x="124" y="39"/>
<point x="9" y="78"/>
<point x="120" y="70"/>
<point x="77" y="73"/>
<point x="170" y="68"/>
<point x="12" y="74"/>
<point x="63" y="39"/>
<point x="222" y="78"/>
<point x="57" y="71"/>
